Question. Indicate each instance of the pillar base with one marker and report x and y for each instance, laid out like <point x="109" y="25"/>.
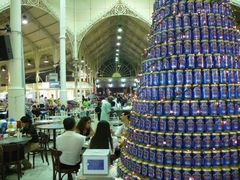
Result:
<point x="63" y="97"/>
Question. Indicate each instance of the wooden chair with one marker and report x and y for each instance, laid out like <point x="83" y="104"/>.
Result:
<point x="57" y="169"/>
<point x="43" y="148"/>
<point x="11" y="157"/>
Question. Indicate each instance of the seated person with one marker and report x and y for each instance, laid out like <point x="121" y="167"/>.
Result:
<point x="84" y="127"/>
<point x="121" y="130"/>
<point x="70" y="144"/>
<point x="82" y="112"/>
<point x="103" y="139"/>
<point x="33" y="144"/>
<point x="36" y="111"/>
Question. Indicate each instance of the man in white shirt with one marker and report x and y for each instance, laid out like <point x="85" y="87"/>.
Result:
<point x="121" y="130"/>
<point x="106" y="109"/>
<point x="70" y="144"/>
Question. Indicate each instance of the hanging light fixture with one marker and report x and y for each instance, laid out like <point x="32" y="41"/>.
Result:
<point x="3" y="68"/>
<point x="82" y="60"/>
<point x="119" y="37"/>
<point x="24" y="19"/>
<point x="119" y="29"/>
<point x="29" y="63"/>
<point x="118" y="43"/>
<point x="46" y="60"/>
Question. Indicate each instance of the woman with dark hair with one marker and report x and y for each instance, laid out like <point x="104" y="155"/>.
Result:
<point x="84" y="127"/>
<point x="103" y="139"/>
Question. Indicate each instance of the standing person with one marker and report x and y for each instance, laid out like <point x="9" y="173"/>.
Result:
<point x="84" y="127"/>
<point x="70" y="144"/>
<point x="98" y="110"/>
<point x="106" y="109"/>
<point x="42" y="101"/>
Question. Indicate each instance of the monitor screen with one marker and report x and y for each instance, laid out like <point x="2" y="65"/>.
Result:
<point x="95" y="164"/>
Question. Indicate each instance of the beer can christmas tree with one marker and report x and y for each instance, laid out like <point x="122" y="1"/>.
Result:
<point x="185" y="122"/>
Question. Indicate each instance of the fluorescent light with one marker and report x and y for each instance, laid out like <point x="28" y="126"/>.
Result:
<point x="46" y="61"/>
<point x="24" y="19"/>
<point x="117" y="50"/>
<point x="109" y="80"/>
<point x="116" y="59"/>
<point x="117" y="54"/>
<point x="120" y="29"/>
<point x="110" y="85"/>
<point x="118" y="43"/>
<point x="82" y="61"/>
<point x="123" y="80"/>
<point x="119" y="37"/>
<point x="29" y="64"/>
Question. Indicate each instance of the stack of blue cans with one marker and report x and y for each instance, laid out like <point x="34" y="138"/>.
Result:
<point x="185" y="121"/>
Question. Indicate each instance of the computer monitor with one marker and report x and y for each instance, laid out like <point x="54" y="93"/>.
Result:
<point x="96" y="162"/>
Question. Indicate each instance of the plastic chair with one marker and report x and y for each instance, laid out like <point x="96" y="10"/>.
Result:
<point x="43" y="142"/>
<point x="57" y="169"/>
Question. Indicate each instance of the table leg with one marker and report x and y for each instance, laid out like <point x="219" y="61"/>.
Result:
<point x="54" y="138"/>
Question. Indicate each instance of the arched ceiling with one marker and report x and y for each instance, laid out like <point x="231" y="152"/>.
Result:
<point x="99" y="44"/>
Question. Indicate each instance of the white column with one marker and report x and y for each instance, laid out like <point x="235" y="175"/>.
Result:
<point x="16" y="91"/>
<point x="63" y="90"/>
<point x="37" y="78"/>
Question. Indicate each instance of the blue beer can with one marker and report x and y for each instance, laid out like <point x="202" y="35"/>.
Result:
<point x="222" y="108"/>
<point x="223" y="75"/>
<point x="218" y="19"/>
<point x="217" y="173"/>
<point x="212" y="34"/>
<point x="218" y="125"/>
<point x="187" y="47"/>
<point x="200" y="127"/>
<point x="182" y="6"/>
<point x="187" y="140"/>
<point x="155" y="123"/>
<point x="226" y="34"/>
<point x="178" y="92"/>
<point x="221" y="47"/>
<point x="190" y="124"/>
<point x="216" y="158"/>
<point x="169" y="140"/>
<point x="214" y="91"/>
<point x="159" y="109"/>
<point x="179" y="47"/>
<point x="206" y="76"/>
<point x="153" y="138"/>
<point x="174" y="62"/>
<point x="196" y="47"/>
<point x="195" y="109"/>
<point x="207" y="158"/>
<point x="213" y="46"/>
<point x="190" y="60"/>
<point x="203" y="19"/>
<point x="171" y="77"/>
<point x="171" y="124"/>
<point x="156" y="78"/>
<point x="135" y="150"/>
<point x="216" y="140"/>
<point x="171" y="35"/>
<point x="197" y="158"/>
<point x="226" y="123"/>
<point x="163" y="124"/>
<point x="148" y="122"/>
<point x="187" y="92"/>
<point x="204" y="33"/>
<point x="140" y="151"/>
<point x="142" y="122"/>
<point x="149" y="93"/>
<point x="191" y="7"/>
<point x="187" y="158"/>
<point x="169" y="94"/>
<point x="209" y="122"/>
<point x="199" y="6"/>
<point x="177" y="158"/>
<point x="197" y="74"/>
<point x="196" y="34"/>
<point x="182" y="61"/>
<point x="219" y="31"/>
<point x="146" y="153"/>
<point x="206" y="91"/>
<point x="164" y="49"/>
<point x="187" y="33"/>
<point x="155" y="93"/>
<point x="166" y="63"/>
<point x="236" y="75"/>
<point x="223" y="91"/>
<point x="231" y="77"/>
<point x="146" y="137"/>
<point x="162" y="92"/>
<point x="225" y="154"/>
<point x="197" y="94"/>
<point x="224" y="62"/>
<point x="215" y="76"/>
<point x="234" y="123"/>
<point x="168" y="157"/>
<point x="186" y="173"/>
<point x="196" y="140"/>
<point x="176" y="108"/>
<point x="178" y="140"/>
<point x="195" y="20"/>
<point x="177" y="173"/>
<point x="178" y="34"/>
<point x="140" y="136"/>
<point x="185" y="108"/>
<point x="213" y="107"/>
<point x="152" y="154"/>
<point x="151" y="170"/>
<point x="207" y="173"/>
<point x="178" y="21"/>
<point x="144" y="168"/>
<point x="160" y="155"/>
<point x="235" y="173"/>
<point x="233" y="139"/>
<point x="167" y="172"/>
<point x="238" y="138"/>
<point x="180" y="124"/>
<point x="208" y="61"/>
<point x="234" y="157"/>
<point x="211" y="19"/>
<point x="207" y="143"/>
<point x="159" y="172"/>
<point x="237" y="87"/>
<point x="217" y="60"/>
<point x="225" y="139"/>
<point x="186" y="20"/>
<point x="230" y="107"/>
<point x="199" y="61"/>
<point x="163" y="77"/>
<point x="231" y="91"/>
<point x="171" y="22"/>
<point x="205" y="46"/>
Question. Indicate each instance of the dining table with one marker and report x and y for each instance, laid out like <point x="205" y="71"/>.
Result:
<point x="53" y="127"/>
<point x="13" y="139"/>
<point x="47" y="121"/>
